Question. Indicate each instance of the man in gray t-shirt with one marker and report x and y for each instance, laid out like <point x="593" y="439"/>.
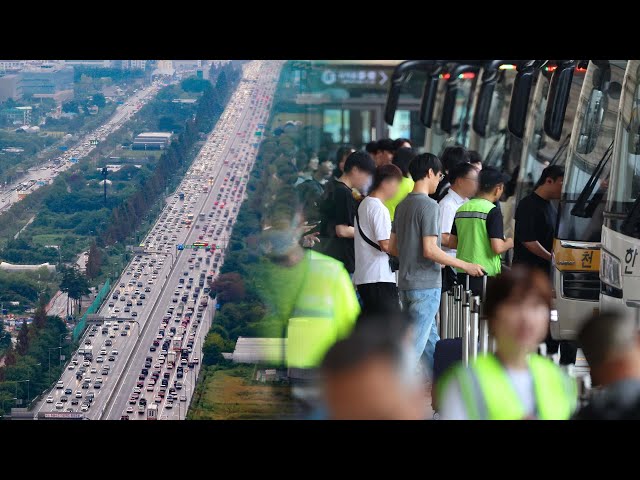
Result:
<point x="415" y="240"/>
<point x="417" y="216"/>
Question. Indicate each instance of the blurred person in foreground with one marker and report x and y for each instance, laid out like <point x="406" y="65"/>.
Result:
<point x="309" y="297"/>
<point x="338" y="209"/>
<point x="373" y="276"/>
<point x="401" y="159"/>
<point x="475" y="160"/>
<point x="368" y="375"/>
<point x="415" y="240"/>
<point x="611" y="345"/>
<point x="514" y="383"/>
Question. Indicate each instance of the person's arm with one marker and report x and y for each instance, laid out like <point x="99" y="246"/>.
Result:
<point x="537" y="249"/>
<point x="380" y="222"/>
<point x="453" y="241"/>
<point x="345" y="213"/>
<point x="384" y="245"/>
<point x="393" y="245"/>
<point x="495" y="230"/>
<point x="447" y="216"/>
<point x="345" y="231"/>
<point x="434" y="253"/>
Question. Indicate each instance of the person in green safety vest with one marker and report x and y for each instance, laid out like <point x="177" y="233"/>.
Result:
<point x="309" y="297"/>
<point x="478" y="233"/>
<point x="514" y="383"/>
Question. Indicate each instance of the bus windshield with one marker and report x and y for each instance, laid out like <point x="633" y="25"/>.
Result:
<point x="583" y="192"/>
<point x="622" y="204"/>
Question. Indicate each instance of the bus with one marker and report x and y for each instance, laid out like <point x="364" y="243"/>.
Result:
<point x="577" y="239"/>
<point x="619" y="262"/>
<point x="190" y="217"/>
<point x="538" y="148"/>
<point x="152" y="411"/>
<point x="200" y="244"/>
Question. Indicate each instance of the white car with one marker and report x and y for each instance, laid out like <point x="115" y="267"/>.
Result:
<point x="84" y="407"/>
<point x="49" y="399"/>
<point x="59" y="406"/>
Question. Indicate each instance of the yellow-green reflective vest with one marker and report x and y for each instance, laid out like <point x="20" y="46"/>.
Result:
<point x="488" y="393"/>
<point x="474" y="244"/>
<point x="324" y="312"/>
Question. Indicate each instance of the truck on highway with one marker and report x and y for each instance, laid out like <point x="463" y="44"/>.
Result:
<point x="177" y="343"/>
<point x="171" y="360"/>
<point x="201" y="217"/>
<point x="204" y="301"/>
<point x="191" y="305"/>
<point x="181" y="196"/>
<point x="152" y="412"/>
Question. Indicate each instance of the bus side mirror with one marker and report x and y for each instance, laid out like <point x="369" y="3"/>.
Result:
<point x="520" y="100"/>
<point x="429" y="99"/>
<point x="558" y="99"/>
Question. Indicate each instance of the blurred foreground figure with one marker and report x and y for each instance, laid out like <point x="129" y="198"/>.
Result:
<point x="514" y="383"/>
<point x="611" y="345"/>
<point x="370" y="375"/>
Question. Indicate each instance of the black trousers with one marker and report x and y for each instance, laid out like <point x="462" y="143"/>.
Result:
<point x="380" y="297"/>
<point x="568" y="349"/>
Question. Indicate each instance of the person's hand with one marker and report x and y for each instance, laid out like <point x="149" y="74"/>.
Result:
<point x="310" y="240"/>
<point x="474" y="270"/>
<point x="509" y="242"/>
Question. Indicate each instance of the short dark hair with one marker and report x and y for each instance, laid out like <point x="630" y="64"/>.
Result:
<point x="474" y="157"/>
<point x="516" y="283"/>
<point x="361" y="160"/>
<point x="454" y="155"/>
<point x="460" y="171"/>
<point x="421" y="164"/>
<point x="342" y="150"/>
<point x="374" y="335"/>
<point x="553" y="172"/>
<point x="402" y="158"/>
<point x="371" y="147"/>
<point x="384" y="172"/>
<point x="386" y="144"/>
<point x="397" y="143"/>
<point x="606" y="333"/>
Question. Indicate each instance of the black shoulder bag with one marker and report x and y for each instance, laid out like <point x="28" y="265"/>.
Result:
<point x="394" y="263"/>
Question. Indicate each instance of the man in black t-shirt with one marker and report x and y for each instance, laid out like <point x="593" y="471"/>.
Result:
<point x="535" y="225"/>
<point x="536" y="220"/>
<point x="338" y="208"/>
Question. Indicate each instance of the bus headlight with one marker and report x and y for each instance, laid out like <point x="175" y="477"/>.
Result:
<point x="610" y="269"/>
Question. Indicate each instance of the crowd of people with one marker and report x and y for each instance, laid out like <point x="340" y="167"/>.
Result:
<point x="376" y="237"/>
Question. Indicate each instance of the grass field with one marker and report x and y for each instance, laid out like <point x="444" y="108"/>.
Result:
<point x="231" y="394"/>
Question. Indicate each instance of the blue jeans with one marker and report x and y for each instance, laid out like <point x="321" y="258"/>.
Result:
<point x="422" y="306"/>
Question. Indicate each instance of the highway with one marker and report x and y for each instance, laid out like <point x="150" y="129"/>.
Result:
<point x="161" y="283"/>
<point x="45" y="173"/>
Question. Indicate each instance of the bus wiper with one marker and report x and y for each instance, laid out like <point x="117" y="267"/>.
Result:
<point x="581" y="208"/>
<point x="561" y="148"/>
<point x="494" y="145"/>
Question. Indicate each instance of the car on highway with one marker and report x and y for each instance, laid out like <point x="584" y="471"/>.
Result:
<point x="49" y="399"/>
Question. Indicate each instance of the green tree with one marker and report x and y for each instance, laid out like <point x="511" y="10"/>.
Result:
<point x="212" y="349"/>
<point x="70" y="107"/>
<point x="22" y="345"/>
<point x="94" y="261"/>
<point x="40" y="316"/>
<point x="99" y="100"/>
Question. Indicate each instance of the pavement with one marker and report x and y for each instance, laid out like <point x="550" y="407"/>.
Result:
<point x="218" y="160"/>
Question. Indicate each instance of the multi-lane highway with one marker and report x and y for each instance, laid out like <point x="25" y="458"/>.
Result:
<point x="159" y="306"/>
<point x="44" y="173"/>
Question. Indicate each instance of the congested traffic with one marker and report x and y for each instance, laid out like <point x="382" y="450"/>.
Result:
<point x="157" y="314"/>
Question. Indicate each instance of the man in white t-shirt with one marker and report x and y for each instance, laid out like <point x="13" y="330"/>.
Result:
<point x="464" y="184"/>
<point x="375" y="281"/>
